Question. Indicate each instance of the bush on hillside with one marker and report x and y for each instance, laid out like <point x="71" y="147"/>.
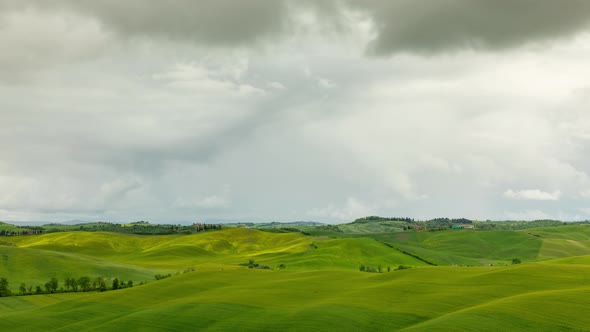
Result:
<point x="402" y="267"/>
<point x="162" y="276"/>
<point x="252" y="265"/>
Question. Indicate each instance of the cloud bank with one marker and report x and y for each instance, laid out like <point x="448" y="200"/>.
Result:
<point x="283" y="110"/>
<point x="533" y="195"/>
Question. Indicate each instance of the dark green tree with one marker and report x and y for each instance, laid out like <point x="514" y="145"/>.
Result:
<point x="22" y="289"/>
<point x="516" y="261"/>
<point x="116" y="284"/>
<point x="71" y="283"/>
<point x="51" y="285"/>
<point x="84" y="283"/>
<point x="4" y="290"/>
<point x="74" y="284"/>
<point x="130" y="283"/>
<point x="101" y="284"/>
<point x="54" y="284"/>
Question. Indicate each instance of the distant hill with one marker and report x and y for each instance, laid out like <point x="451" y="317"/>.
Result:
<point x="76" y="222"/>
<point x="27" y="223"/>
<point x="276" y="224"/>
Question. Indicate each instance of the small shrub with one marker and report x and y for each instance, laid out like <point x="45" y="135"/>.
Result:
<point x="252" y="265"/>
<point x="162" y="276"/>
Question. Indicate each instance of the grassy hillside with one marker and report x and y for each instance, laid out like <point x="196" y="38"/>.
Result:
<point x="321" y="287"/>
<point x="466" y="247"/>
<point x="35" y="267"/>
<point x="563" y="241"/>
<point x="484" y="247"/>
<point x="35" y="259"/>
<point x="8" y="227"/>
<point x="230" y="246"/>
<point x="529" y="296"/>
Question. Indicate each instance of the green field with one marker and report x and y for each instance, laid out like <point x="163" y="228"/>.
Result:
<point x="473" y="287"/>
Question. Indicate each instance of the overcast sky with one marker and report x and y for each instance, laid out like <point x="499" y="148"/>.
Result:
<point x="181" y="110"/>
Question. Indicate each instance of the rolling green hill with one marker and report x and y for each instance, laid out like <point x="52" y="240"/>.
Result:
<point x="529" y="296"/>
<point x="35" y="267"/>
<point x="321" y="287"/>
<point x="484" y="247"/>
<point x="8" y="227"/>
<point x="231" y="246"/>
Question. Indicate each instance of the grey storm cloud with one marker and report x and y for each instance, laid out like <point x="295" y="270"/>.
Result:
<point x="209" y="21"/>
<point x="428" y="26"/>
<point x="36" y="35"/>
<point x="402" y="25"/>
<point x="442" y="25"/>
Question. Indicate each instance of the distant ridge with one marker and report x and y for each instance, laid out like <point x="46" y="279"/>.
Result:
<point x="26" y="223"/>
<point x="75" y="222"/>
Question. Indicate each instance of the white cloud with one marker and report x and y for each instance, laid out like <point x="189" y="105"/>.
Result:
<point x="325" y="83"/>
<point x="352" y="210"/>
<point x="527" y="215"/>
<point x="199" y="79"/>
<point x="116" y="189"/>
<point x="209" y="202"/>
<point x="532" y="194"/>
<point x="277" y="85"/>
<point x="35" y="194"/>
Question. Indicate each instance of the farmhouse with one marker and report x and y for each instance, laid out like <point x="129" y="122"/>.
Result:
<point x="463" y="227"/>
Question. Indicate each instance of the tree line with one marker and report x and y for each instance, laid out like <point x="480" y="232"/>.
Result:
<point x="22" y="230"/>
<point x="377" y="218"/>
<point x="445" y="223"/>
<point x="82" y="284"/>
<point x="138" y="227"/>
<point x="380" y="269"/>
